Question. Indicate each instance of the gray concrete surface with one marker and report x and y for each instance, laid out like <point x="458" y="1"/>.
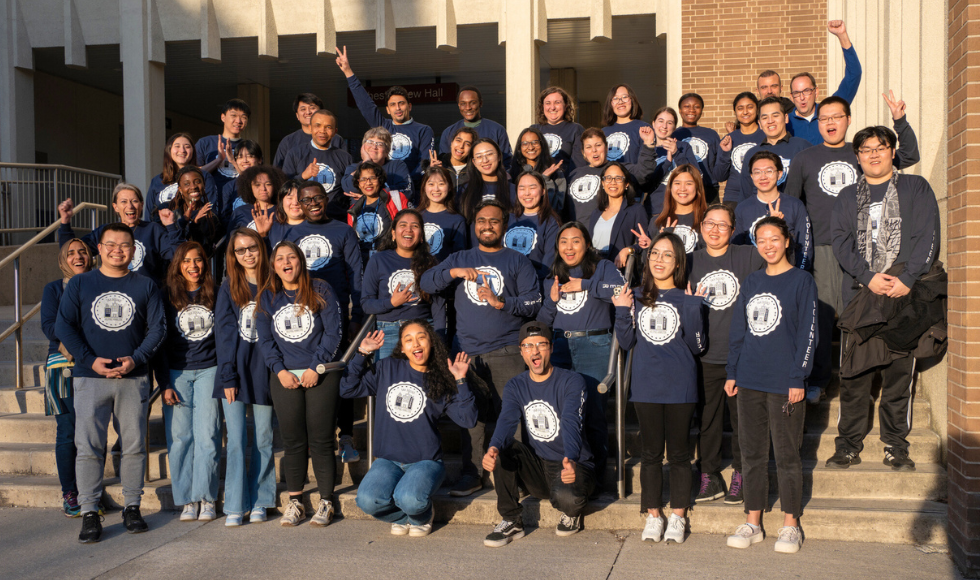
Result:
<point x="41" y="543"/>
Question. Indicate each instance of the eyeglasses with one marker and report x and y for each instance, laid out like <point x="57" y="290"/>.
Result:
<point x="534" y="143"/>
<point x="618" y="100"/>
<point x="880" y="150"/>
<point x="483" y="156"/>
<point x="832" y="119"/>
<point x="760" y="172"/>
<point x="788" y="408"/>
<point x="716" y="225"/>
<point x="536" y="346"/>
<point x="113" y="245"/>
<point x="657" y="255"/>
<point x="253" y="249"/>
<point x="613" y="179"/>
<point x="374" y="144"/>
<point x="312" y="200"/>
<point x="368" y="180"/>
<point x="806" y="92"/>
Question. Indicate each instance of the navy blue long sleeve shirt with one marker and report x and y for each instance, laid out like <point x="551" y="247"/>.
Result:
<point x="154" y="246"/>
<point x="396" y="172"/>
<point x="705" y="144"/>
<point x="486" y="129"/>
<point x="752" y="209"/>
<point x="623" y="140"/>
<point x="590" y="309"/>
<point x="190" y="336"/>
<point x="50" y="300"/>
<point x="333" y="254"/>
<point x="332" y="162"/>
<point x="787" y="148"/>
<point x="299" y="139"/>
<point x="293" y="338"/>
<point x="564" y="143"/>
<point x="445" y="232"/>
<point x="158" y="194"/>
<point x="809" y="128"/>
<point x="241" y="364"/>
<point x="535" y="239"/>
<point x="728" y="164"/>
<point x="387" y="272"/>
<point x="206" y="150"/>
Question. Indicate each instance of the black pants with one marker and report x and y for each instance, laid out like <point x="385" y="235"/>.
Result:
<point x="495" y="368"/>
<point x="307" y="420"/>
<point x="712" y="401"/>
<point x="761" y="418"/>
<point x="894" y="409"/>
<point x="542" y="478"/>
<point x="660" y="424"/>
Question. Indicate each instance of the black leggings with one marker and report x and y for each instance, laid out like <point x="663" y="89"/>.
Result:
<point x="307" y="421"/>
<point x="659" y="424"/>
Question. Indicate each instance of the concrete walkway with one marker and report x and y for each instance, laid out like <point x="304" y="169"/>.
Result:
<point x="41" y="543"/>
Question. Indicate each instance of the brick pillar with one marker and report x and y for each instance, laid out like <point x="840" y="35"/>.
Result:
<point x="964" y="292"/>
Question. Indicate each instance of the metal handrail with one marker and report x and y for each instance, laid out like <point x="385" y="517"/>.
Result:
<point x="17" y="328"/>
<point x="65" y="167"/>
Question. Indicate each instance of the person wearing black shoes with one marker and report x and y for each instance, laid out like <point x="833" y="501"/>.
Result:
<point x="883" y="221"/>
<point x="555" y="462"/>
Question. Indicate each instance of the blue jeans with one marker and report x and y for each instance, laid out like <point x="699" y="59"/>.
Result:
<point x="256" y="488"/>
<point x="193" y="429"/>
<point x="400" y="493"/>
<point x="64" y="446"/>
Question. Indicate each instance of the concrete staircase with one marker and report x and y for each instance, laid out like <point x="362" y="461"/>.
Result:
<point x="868" y="502"/>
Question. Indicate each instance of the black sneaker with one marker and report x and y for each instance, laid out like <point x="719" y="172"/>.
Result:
<point x="843" y="459"/>
<point x="568" y="525"/>
<point x="133" y="521"/>
<point x="466" y="485"/>
<point x="734" y="496"/>
<point x="712" y="488"/>
<point x="91" y="528"/>
<point x="898" y="459"/>
<point x="505" y="533"/>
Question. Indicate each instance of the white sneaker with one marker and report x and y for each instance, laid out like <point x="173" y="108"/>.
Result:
<point x="788" y="540"/>
<point x="653" y="531"/>
<point x="323" y="515"/>
<point x="190" y="513"/>
<point x="423" y="530"/>
<point x="257" y="515"/>
<point x="744" y="536"/>
<point x="294" y="513"/>
<point x="207" y="512"/>
<point x="233" y="520"/>
<point x="676" y="527"/>
<point x="399" y="529"/>
<point x="348" y="454"/>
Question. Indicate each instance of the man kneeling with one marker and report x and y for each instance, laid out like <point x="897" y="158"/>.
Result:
<point x="556" y="463"/>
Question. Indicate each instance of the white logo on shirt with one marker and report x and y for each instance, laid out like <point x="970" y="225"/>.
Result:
<point x="368" y="226"/>
<point x="585" y="188"/>
<point x="251" y="225"/>
<point x="402" y="280"/>
<point x="738" y="155"/>
<point x="659" y="324"/>
<point x="699" y="147"/>
<point x="434" y="236"/>
<point x="572" y="302"/>
<point x="874" y="214"/>
<point x="763" y="313"/>
<point x="405" y="402"/>
<point x="753" y="226"/>
<point x="542" y="421"/>
<point x="139" y="252"/>
<point x="113" y="311"/>
<point x="167" y="194"/>
<point x="722" y="289"/>
<point x="554" y="143"/>
<point x="835" y="176"/>
<point x="317" y="250"/>
<point x="492" y="276"/>
<point x="326" y="176"/>
<point x="246" y="323"/>
<point x="521" y="238"/>
<point x="293" y="323"/>
<point x="195" y="322"/>
<point x="688" y="236"/>
<point x="617" y="146"/>
<point x="401" y="146"/>
<point x="786" y="163"/>
<point x="225" y="168"/>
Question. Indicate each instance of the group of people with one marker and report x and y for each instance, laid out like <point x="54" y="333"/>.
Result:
<point x="497" y="279"/>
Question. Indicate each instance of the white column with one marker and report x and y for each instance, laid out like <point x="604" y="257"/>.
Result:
<point x="523" y="68"/>
<point x="143" y="99"/>
<point x="16" y="87"/>
<point x="670" y="14"/>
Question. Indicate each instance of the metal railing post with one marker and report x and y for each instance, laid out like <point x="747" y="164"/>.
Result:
<point x="94" y="220"/>
<point x="370" y="430"/>
<point x="19" y="333"/>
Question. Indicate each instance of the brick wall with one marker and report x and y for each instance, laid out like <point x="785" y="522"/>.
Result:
<point x="964" y="294"/>
<point x="727" y="43"/>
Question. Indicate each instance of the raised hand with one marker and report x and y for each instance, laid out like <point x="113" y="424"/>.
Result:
<point x="486" y="294"/>
<point x="205" y="209"/>
<point x="774" y="210"/>
<point x="624" y="298"/>
<point x="648" y="136"/>
<point x="556" y="291"/>
<point x="311" y="170"/>
<point x="401" y="296"/>
<point x="372" y="341"/>
<point x="567" y="471"/>
<point x="263" y="221"/>
<point x="729" y="127"/>
<point x="230" y="156"/>
<point x="342" y="62"/>
<point x="65" y="210"/>
<point x="353" y="195"/>
<point x="468" y="274"/>
<point x="434" y="159"/>
<point x="700" y="293"/>
<point x="490" y="459"/>
<point x="166" y="216"/>
<point x="460" y="366"/>
<point x="641" y="236"/>
<point x="671" y="224"/>
<point x="547" y="172"/>
<point x="670" y="145"/>
<point x="726" y="143"/>
<point x="897" y="107"/>
<point x="836" y="27"/>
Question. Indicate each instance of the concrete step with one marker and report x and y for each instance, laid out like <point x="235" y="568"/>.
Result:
<point x="31" y="329"/>
<point x="34" y="350"/>
<point x="37" y="428"/>
<point x="33" y="373"/>
<point x="882" y="521"/>
<point x="28" y="400"/>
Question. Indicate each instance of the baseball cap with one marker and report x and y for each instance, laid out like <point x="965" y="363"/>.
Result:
<point x="535" y="328"/>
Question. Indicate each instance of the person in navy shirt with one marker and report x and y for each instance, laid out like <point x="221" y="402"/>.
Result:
<point x="585" y="181"/>
<point x="684" y="208"/>
<point x="242" y="382"/>
<point x="470" y="101"/>
<point x="289" y="213"/>
<point x="488" y="180"/>
<point x="373" y="212"/>
<point x="622" y="117"/>
<point x="304" y="106"/>
<point x="766" y="169"/>
<point x="178" y="152"/>
<point x="533" y="155"/>
<point x="555" y="462"/>
<point x="248" y="154"/>
<point x="414" y="387"/>
<point x="197" y="215"/>
<point x="556" y="121"/>
<point x="617" y="211"/>
<point x="734" y="146"/>
<point x="803" y="88"/>
<point x="190" y="412"/>
<point x="770" y="355"/>
<point x="778" y="140"/>
<point x="496" y="289"/>
<point x="445" y="228"/>
<point x="112" y="322"/>
<point x="215" y="153"/>
<point x="458" y="158"/>
<point x="258" y="187"/>
<point x="74" y="258"/>
<point x="375" y="148"/>
<point x="411" y="141"/>
<point x="300" y="327"/>
<point x="391" y="278"/>
<point x="321" y="161"/>
<point x="666" y="329"/>
<point x="533" y="224"/>
<point x="704" y="142"/>
<point x="668" y="153"/>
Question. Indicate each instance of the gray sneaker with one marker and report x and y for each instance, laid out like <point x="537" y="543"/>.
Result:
<point x="295" y="513"/>
<point x="788" y="540"/>
<point x="466" y="485"/>
<point x="744" y="536"/>
<point x="323" y="515"/>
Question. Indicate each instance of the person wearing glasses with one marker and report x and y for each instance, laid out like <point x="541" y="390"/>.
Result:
<point x="733" y="147"/>
<point x="665" y="327"/>
<point x="112" y="322"/>
<point x="803" y="121"/>
<point x="885" y="220"/>
<point x="215" y="154"/>
<point x="617" y="211"/>
<point x="376" y="148"/>
<point x="323" y="162"/>
<point x="818" y="176"/>
<point x="470" y="101"/>
<point x="555" y="116"/>
<point x="718" y="271"/>
<point x="372" y="214"/>
<point x="487" y="180"/>
<point x="703" y="141"/>
<point x="622" y="117"/>
<point x="778" y="140"/>
<point x="496" y="289"/>
<point x="555" y="462"/>
<point x="770" y="355"/>
<point x="533" y="155"/>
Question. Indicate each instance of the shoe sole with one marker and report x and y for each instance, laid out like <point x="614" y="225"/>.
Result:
<point x="835" y="465"/>
<point x="207" y="519"/>
<point x="318" y="525"/>
<point x="290" y="525"/>
<point x="413" y="533"/>
<point x="464" y="492"/>
<point x="505" y="541"/>
<point x="183" y="519"/>
<point x="674" y="540"/>
<point x="402" y="532"/>
<point x="92" y="541"/>
<point x="789" y="549"/>
<point x="752" y="540"/>
<point x="652" y="540"/>
<point x="733" y="501"/>
<point x="718" y="495"/>
<point x="899" y="467"/>
<point x="146" y="529"/>
<point x="346" y="460"/>
<point x="566" y="533"/>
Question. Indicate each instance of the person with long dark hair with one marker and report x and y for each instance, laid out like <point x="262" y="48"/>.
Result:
<point x="191" y="413"/>
<point x="585" y="180"/>
<point x="458" y="157"/>
<point x="257" y="188"/>
<point x="555" y="119"/>
<point x="415" y="386"/>
<point x="704" y="142"/>
<point x="534" y="224"/>
<point x="622" y="117"/>
<point x="445" y="228"/>
<point x="300" y="328"/>
<point x="733" y="147"/>
<point x="666" y="330"/>
<point x="773" y="332"/>
<point x="248" y="154"/>
<point x="390" y="289"/>
<point x="242" y="382"/>
<point x="533" y="155"/>
<point x="669" y="152"/>
<point x="488" y="179"/>
<point x="178" y="152"/>
<point x="611" y="223"/>
<point x="197" y="216"/>
<point x="683" y="209"/>
<point x="371" y="215"/>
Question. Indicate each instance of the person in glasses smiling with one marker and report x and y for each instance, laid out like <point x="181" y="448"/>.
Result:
<point x="372" y="214"/>
<point x="375" y="148"/>
<point x="778" y="140"/>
